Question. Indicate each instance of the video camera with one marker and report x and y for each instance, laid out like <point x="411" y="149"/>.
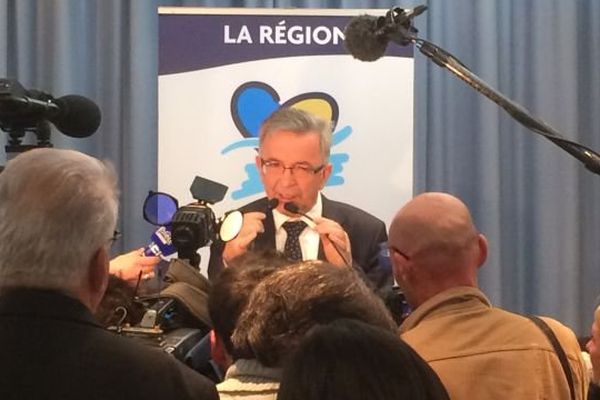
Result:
<point x="193" y="226"/>
<point x="176" y="319"/>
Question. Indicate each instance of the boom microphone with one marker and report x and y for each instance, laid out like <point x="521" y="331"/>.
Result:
<point x="361" y="39"/>
<point x="366" y="37"/>
<point x="73" y="115"/>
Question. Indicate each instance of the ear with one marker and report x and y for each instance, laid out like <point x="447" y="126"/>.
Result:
<point x="326" y="173"/>
<point x="218" y="352"/>
<point x="483" y="250"/>
<point x="97" y="278"/>
<point x="400" y="266"/>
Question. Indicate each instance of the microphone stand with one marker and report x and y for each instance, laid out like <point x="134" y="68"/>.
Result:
<point x="591" y="159"/>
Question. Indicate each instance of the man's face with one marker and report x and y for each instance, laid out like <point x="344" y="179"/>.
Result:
<point x="299" y="185"/>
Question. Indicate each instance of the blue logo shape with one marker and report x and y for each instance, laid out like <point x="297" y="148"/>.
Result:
<point x="251" y="104"/>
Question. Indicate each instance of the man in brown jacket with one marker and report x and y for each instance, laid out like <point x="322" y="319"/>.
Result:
<point x="478" y="351"/>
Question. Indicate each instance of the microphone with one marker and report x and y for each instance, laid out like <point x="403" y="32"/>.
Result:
<point x="73" y="115"/>
<point x="160" y="243"/>
<point x="294" y="209"/>
<point x="361" y="39"/>
<point x="366" y="37"/>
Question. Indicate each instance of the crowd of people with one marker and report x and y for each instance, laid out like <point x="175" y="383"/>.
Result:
<point x="294" y="301"/>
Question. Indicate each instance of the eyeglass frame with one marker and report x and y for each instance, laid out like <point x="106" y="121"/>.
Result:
<point x="397" y="250"/>
<point x="295" y="167"/>
<point x="116" y="236"/>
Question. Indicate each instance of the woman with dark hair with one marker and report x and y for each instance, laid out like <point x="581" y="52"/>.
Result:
<point x="348" y="359"/>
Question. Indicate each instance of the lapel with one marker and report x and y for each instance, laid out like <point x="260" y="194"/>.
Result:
<point x="266" y="240"/>
<point x="330" y="211"/>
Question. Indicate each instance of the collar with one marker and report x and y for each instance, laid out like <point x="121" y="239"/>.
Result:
<point x="40" y="303"/>
<point x="315" y="212"/>
<point x="243" y="369"/>
<point x="442" y="302"/>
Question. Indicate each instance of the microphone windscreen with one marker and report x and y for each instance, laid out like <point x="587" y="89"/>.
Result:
<point x="78" y="117"/>
<point x="272" y="204"/>
<point x="361" y="39"/>
<point x="292" y="207"/>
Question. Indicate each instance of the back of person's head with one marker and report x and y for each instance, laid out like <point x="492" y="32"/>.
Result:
<point x="348" y="359"/>
<point x="231" y="290"/>
<point x="58" y="208"/>
<point x="286" y="304"/>
<point x="434" y="242"/>
<point x="117" y="305"/>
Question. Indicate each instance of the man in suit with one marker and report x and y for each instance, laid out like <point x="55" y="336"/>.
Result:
<point x="58" y="211"/>
<point x="293" y="160"/>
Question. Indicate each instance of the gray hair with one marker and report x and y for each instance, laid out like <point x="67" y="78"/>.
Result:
<point x="300" y="122"/>
<point x="57" y="208"/>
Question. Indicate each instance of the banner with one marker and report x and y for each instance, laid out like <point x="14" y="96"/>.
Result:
<point x="222" y="71"/>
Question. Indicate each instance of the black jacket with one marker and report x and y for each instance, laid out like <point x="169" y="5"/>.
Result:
<point x="366" y="232"/>
<point x="54" y="349"/>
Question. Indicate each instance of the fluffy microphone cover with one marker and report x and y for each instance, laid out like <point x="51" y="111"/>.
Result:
<point x="362" y="41"/>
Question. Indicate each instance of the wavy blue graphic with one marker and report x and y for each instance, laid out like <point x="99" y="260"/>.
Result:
<point x="251" y="104"/>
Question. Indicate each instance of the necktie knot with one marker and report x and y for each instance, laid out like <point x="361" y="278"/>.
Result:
<point x="294" y="228"/>
<point x="292" y="248"/>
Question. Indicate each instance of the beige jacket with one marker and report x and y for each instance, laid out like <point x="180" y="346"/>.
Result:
<point x="486" y="353"/>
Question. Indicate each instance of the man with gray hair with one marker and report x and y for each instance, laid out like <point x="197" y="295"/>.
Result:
<point x="293" y="161"/>
<point x="58" y="212"/>
<point x="478" y="351"/>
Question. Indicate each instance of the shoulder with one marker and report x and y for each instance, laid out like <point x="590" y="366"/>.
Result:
<point x="139" y="362"/>
<point x="337" y="210"/>
<point x="563" y="333"/>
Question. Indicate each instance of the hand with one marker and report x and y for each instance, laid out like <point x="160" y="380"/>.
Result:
<point x="332" y="233"/>
<point x="252" y="225"/>
<point x="128" y="266"/>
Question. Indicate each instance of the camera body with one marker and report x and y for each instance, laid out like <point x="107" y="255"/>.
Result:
<point x="192" y="226"/>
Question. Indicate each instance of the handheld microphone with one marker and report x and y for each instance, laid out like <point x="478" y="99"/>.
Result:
<point x="73" y="115"/>
<point x="294" y="209"/>
<point x="366" y="37"/>
<point x="160" y="243"/>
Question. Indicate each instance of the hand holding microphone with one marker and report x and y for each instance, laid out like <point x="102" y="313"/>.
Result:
<point x="252" y="226"/>
<point x="336" y="242"/>
<point x="129" y="265"/>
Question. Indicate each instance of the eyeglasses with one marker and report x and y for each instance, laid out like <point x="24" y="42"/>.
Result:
<point x="396" y="250"/>
<point x="116" y="235"/>
<point x="301" y="170"/>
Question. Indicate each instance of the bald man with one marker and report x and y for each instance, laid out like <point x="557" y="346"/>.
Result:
<point x="478" y="351"/>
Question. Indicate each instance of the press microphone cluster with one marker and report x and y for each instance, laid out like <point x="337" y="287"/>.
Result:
<point x="21" y="109"/>
<point x="367" y="37"/>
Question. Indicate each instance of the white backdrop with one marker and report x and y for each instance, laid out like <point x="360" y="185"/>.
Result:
<point x="201" y="68"/>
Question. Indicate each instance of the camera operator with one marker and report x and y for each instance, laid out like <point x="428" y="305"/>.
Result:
<point x="58" y="209"/>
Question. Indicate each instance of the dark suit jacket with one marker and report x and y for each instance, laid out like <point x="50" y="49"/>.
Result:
<point x="366" y="232"/>
<point x="53" y="349"/>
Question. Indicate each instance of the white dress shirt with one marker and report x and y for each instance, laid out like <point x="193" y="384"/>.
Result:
<point x="309" y="238"/>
